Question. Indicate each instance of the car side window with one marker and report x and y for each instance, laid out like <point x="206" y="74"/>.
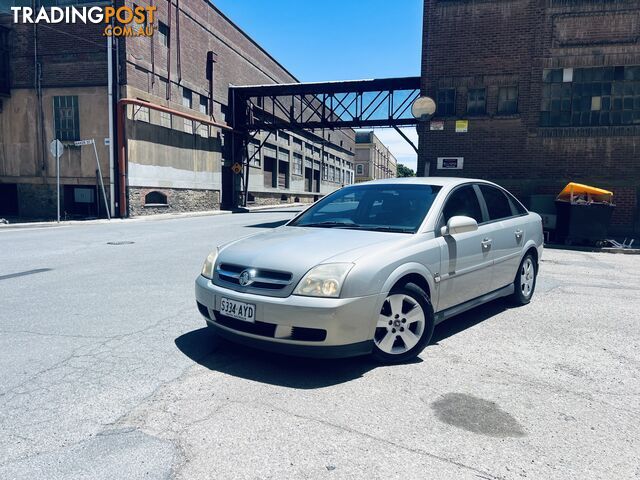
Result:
<point x="463" y="201"/>
<point x="497" y="202"/>
<point x="516" y="205"/>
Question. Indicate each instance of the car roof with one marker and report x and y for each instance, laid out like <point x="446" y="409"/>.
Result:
<point x="437" y="181"/>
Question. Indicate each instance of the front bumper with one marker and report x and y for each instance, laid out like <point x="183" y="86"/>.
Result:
<point x="347" y="324"/>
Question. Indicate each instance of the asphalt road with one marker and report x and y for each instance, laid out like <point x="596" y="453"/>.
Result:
<point x="107" y="373"/>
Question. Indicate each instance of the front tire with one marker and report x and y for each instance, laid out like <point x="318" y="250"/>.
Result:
<point x="405" y="325"/>
<point x="525" y="281"/>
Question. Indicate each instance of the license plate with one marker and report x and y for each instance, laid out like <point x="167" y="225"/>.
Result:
<point x="239" y="310"/>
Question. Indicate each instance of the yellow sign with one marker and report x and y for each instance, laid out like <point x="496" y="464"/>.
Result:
<point x="462" y="126"/>
<point x="237" y="168"/>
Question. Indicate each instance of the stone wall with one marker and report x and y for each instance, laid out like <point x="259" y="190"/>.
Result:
<point x="178" y="200"/>
<point x="261" y="198"/>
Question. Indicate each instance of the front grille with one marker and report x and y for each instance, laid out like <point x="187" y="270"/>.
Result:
<point x="258" y="328"/>
<point x="265" y="329"/>
<point x="263" y="278"/>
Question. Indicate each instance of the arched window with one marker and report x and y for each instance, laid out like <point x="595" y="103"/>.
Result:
<point x="154" y="199"/>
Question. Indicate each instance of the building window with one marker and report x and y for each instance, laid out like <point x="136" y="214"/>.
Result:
<point x="203" y="129"/>
<point x="204" y="105"/>
<point x="4" y="61"/>
<point x="297" y="164"/>
<point x="141" y="113"/>
<point x="507" y="100"/>
<point x="325" y="172"/>
<point x="359" y="169"/>
<point x="476" y="101"/>
<point x="164" y="34"/>
<point x="187" y="102"/>
<point x="142" y="25"/>
<point x="155" y="199"/>
<point x="447" y="102"/>
<point x="165" y="119"/>
<point x="254" y="153"/>
<point x="66" y="118"/>
<point x="591" y="97"/>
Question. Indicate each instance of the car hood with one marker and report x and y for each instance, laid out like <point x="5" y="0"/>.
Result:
<point x="298" y="249"/>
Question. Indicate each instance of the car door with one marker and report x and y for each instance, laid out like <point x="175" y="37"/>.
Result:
<point x="507" y="233"/>
<point x="465" y="259"/>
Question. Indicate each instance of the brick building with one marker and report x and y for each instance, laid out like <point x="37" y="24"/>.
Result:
<point x="57" y="88"/>
<point x="550" y="90"/>
<point x="373" y="160"/>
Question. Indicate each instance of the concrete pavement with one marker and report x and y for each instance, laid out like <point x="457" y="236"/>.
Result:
<point x="107" y="373"/>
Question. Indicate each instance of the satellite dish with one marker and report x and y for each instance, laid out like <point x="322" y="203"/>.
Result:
<point x="423" y="108"/>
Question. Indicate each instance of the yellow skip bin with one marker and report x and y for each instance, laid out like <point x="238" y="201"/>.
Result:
<point x="577" y="192"/>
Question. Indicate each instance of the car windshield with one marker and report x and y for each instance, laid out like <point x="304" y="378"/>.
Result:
<point x="376" y="207"/>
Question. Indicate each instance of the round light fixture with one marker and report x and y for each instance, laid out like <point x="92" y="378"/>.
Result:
<point x="423" y="108"/>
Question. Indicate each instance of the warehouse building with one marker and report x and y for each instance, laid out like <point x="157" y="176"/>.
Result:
<point x="373" y="160"/>
<point x="174" y="128"/>
<point x="533" y="94"/>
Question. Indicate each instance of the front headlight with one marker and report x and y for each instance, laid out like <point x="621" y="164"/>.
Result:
<point x="324" y="280"/>
<point x="207" y="268"/>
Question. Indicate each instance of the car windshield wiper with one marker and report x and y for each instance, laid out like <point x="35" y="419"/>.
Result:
<point x="329" y="224"/>
<point x="381" y="228"/>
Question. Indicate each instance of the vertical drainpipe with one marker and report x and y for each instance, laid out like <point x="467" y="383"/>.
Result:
<point x="122" y="152"/>
<point x="169" y="52"/>
<point x="153" y="59"/>
<point x="178" y="60"/>
<point x="110" y="108"/>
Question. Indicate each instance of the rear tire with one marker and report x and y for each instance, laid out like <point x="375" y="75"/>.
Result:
<point x="404" y="326"/>
<point x="525" y="281"/>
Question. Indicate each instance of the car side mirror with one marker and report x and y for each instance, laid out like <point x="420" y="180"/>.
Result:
<point x="459" y="224"/>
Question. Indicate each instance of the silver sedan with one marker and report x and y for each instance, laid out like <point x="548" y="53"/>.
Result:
<point x="372" y="268"/>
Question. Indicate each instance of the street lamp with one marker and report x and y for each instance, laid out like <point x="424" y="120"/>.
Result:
<point x="422" y="110"/>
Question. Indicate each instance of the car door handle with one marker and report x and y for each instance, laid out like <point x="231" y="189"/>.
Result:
<point x="518" y="234"/>
<point x="486" y="243"/>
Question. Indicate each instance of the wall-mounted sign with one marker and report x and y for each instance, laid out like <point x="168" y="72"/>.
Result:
<point x="437" y="125"/>
<point x="462" y="126"/>
<point x="450" y="163"/>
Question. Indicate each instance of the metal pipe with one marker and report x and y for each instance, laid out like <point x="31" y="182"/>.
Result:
<point x="110" y="107"/>
<point x="122" y="149"/>
<point x="169" y="52"/>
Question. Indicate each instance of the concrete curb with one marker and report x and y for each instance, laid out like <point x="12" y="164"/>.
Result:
<point x="574" y="248"/>
<point x="147" y="218"/>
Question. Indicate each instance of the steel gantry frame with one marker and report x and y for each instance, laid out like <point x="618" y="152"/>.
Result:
<point x="307" y="107"/>
<point x="382" y="102"/>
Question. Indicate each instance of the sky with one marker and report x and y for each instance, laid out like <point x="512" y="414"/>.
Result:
<point x="339" y="40"/>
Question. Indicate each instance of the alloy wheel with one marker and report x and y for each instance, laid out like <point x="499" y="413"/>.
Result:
<point x="400" y="325"/>
<point x="527" y="277"/>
